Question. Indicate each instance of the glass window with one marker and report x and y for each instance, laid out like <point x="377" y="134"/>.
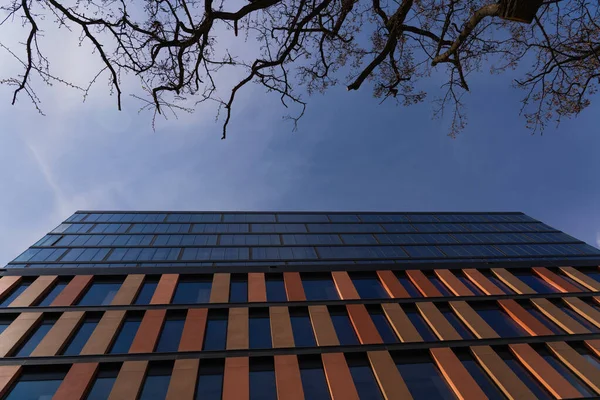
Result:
<point x="421" y="326"/>
<point x="535" y="282"/>
<point x="37" y="384"/>
<point x="462" y="330"/>
<point x="238" y="292"/>
<point x="482" y="379"/>
<point x="5" y="321"/>
<point x="35" y="338"/>
<point x="216" y="331"/>
<point x="147" y="291"/>
<point x="314" y="383"/>
<point x="278" y="228"/>
<point x="501" y="322"/>
<point x="591" y="327"/>
<point x="532" y="383"/>
<point x="368" y="286"/>
<point x="262" y="379"/>
<point x="336" y="218"/>
<point x="283" y="253"/>
<point x="210" y="380"/>
<point x="408" y="285"/>
<point x="300" y="239"/>
<point x="156" y="383"/>
<point x="359" y="239"/>
<point x="100" y="293"/>
<point x="126" y="335"/>
<point x="275" y="288"/>
<point x="302" y="328"/>
<point x="498" y="283"/>
<point x="192" y="291"/>
<point x="319" y="287"/>
<point x="81" y="337"/>
<point x="422" y="377"/>
<point x="170" y="334"/>
<point x="363" y="378"/>
<point x="14" y="293"/>
<point x="383" y="326"/>
<point x="54" y="292"/>
<point x="440" y="286"/>
<point x="107" y="375"/>
<point x="568" y="375"/>
<point x="544" y="320"/>
<point x="302" y="218"/>
<point x="259" y="329"/>
<point x="467" y="282"/>
<point x="343" y="327"/>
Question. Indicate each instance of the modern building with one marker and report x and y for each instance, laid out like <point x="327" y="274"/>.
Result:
<point x="283" y="305"/>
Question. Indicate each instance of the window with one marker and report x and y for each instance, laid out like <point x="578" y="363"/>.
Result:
<point x="313" y="239"/>
<point x="14" y="293"/>
<point x="467" y="282"/>
<point x="498" y="283"/>
<point x="319" y="287"/>
<point x="408" y="285"/>
<point x="314" y="383"/>
<point x="458" y="325"/>
<point x="156" y="383"/>
<point x="54" y="292"/>
<point x="368" y="286"/>
<point x="278" y="228"/>
<point x="532" y="383"/>
<point x="343" y="326"/>
<point x="482" y="379"/>
<point x="422" y="377"/>
<point x="170" y="334"/>
<point x="105" y="379"/>
<point x="37" y="383"/>
<point x="535" y="282"/>
<point x="35" y="338"/>
<point x="238" y="292"/>
<point x="5" y="321"/>
<point x="567" y="374"/>
<point x="275" y="288"/>
<point x="301" y="327"/>
<point x="262" y="379"/>
<point x="420" y="325"/>
<point x="591" y="327"/>
<point x="543" y="319"/>
<point x="259" y="329"/>
<point x="81" y="337"/>
<point x="501" y="322"/>
<point x="359" y="239"/>
<point x="147" y="291"/>
<point x="126" y="335"/>
<point x="440" y="286"/>
<point x="248" y="217"/>
<point x="302" y="218"/>
<point x="210" y="380"/>
<point x="363" y="378"/>
<point x="192" y="291"/>
<point x="100" y="293"/>
<point x="383" y="326"/>
<point x="216" y="331"/>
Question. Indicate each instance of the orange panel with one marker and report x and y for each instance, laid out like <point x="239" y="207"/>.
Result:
<point x="581" y="278"/>
<point x="392" y="285"/>
<point x="584" y="369"/>
<point x="146" y="338"/>
<point x="8" y="375"/>
<point x="558" y="282"/>
<point x="344" y="285"/>
<point x="77" y="382"/>
<point x="524" y="318"/>
<point x="363" y="324"/>
<point x="287" y="378"/>
<point x="17" y="331"/>
<point x="165" y="289"/>
<point x="192" y="336"/>
<point x="128" y="291"/>
<point x="473" y="321"/>
<point x="60" y="333"/>
<point x="423" y="284"/>
<point x="390" y="382"/>
<point x="281" y="327"/>
<point x="105" y="333"/>
<point x="237" y="329"/>
<point x="401" y="323"/>
<point x="438" y="323"/>
<point x="236" y="382"/>
<point x="7" y="283"/>
<point x="182" y="385"/>
<point x="293" y="286"/>
<point x="545" y="374"/>
<point x="35" y="291"/>
<point x="584" y="309"/>
<point x="594" y="345"/>
<point x="559" y="317"/>
<point x="517" y="285"/>
<point x="73" y="291"/>
<point x="322" y="326"/>
<point x="483" y="283"/>
<point x="339" y="379"/>
<point x="457" y="376"/>
<point x="219" y="292"/>
<point x="257" y="287"/>
<point x="128" y="384"/>
<point x="453" y="283"/>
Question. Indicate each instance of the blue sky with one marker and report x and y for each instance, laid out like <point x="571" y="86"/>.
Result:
<point x="350" y="153"/>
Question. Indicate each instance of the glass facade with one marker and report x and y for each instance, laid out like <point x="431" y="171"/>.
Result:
<point x="324" y="305"/>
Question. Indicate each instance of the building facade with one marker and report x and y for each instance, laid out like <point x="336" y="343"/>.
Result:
<point x="282" y="305"/>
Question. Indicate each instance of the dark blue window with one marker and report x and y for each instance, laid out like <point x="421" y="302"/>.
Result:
<point x="408" y="285"/>
<point x="467" y="282"/>
<point x="262" y="380"/>
<point x="146" y="292"/>
<point x="458" y="325"/>
<point x="35" y="338"/>
<point x="156" y="383"/>
<point x="499" y="283"/>
<point x="275" y="288"/>
<point x="259" y="331"/>
<point x="302" y="328"/>
<point x="216" y="332"/>
<point x="343" y="328"/>
<point x="319" y="288"/>
<point x="4" y="323"/>
<point x="314" y="383"/>
<point x="363" y="378"/>
<point x="421" y="326"/>
<point x="36" y="385"/>
<point x="591" y="327"/>
<point x="170" y="335"/>
<point x="52" y="294"/>
<point x="126" y="335"/>
<point x="440" y="286"/>
<point x="422" y="378"/>
<point x="501" y="322"/>
<point x="482" y="379"/>
<point x="81" y="337"/>
<point x="104" y="383"/>
<point x="14" y="294"/>
<point x="536" y="283"/>
<point x="210" y="381"/>
<point x="100" y="294"/>
<point x="545" y="321"/>
<point x="568" y="375"/>
<point x="533" y="384"/>
<point x="192" y="291"/>
<point x="383" y="327"/>
<point x="238" y="292"/>
<point x="369" y="286"/>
